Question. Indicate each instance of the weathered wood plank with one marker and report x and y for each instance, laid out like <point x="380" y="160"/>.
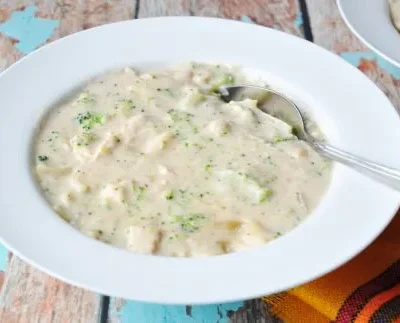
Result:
<point x="330" y="31"/>
<point x="27" y="295"/>
<point x="73" y="16"/>
<point x="253" y="311"/>
<point x="30" y="296"/>
<point x="282" y="15"/>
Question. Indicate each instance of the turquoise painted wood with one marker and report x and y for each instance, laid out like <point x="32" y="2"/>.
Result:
<point x="3" y="258"/>
<point x="29" y="31"/>
<point x="355" y="58"/>
<point x="144" y="313"/>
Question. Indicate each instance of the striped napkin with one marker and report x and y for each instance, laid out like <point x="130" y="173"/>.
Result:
<point x="366" y="289"/>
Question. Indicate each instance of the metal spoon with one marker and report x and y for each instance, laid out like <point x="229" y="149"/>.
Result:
<point x="283" y="108"/>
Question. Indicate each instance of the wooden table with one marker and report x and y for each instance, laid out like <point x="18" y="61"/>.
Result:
<point x="27" y="295"/>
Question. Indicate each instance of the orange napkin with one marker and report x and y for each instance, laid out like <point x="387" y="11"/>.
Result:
<point x="366" y="289"/>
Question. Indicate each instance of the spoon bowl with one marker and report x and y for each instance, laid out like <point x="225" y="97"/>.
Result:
<point x="271" y="102"/>
<point x="280" y="106"/>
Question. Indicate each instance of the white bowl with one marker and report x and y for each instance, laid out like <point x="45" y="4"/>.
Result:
<point x="370" y="21"/>
<point x="352" y="111"/>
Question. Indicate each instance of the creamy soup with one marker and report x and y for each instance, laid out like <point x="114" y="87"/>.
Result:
<point x="394" y="6"/>
<point x="157" y="163"/>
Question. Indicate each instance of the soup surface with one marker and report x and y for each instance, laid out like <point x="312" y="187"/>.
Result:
<point x="156" y="163"/>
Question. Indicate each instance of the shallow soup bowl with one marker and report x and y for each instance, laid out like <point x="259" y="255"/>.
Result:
<point x="351" y="111"/>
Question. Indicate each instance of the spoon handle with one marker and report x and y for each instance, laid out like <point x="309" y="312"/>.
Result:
<point x="387" y="175"/>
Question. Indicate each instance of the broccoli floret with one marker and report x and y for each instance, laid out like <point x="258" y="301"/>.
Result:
<point x="88" y="120"/>
<point x="85" y="139"/>
<point x="169" y="195"/>
<point x="190" y="222"/>
<point x="126" y="106"/>
<point x="265" y="195"/>
<point x="225" y="79"/>
<point x="246" y="186"/>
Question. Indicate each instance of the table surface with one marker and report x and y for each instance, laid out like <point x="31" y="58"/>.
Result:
<point x="28" y="295"/>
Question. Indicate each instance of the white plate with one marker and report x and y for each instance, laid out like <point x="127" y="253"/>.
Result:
<point x="370" y="21"/>
<point x="354" y="114"/>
